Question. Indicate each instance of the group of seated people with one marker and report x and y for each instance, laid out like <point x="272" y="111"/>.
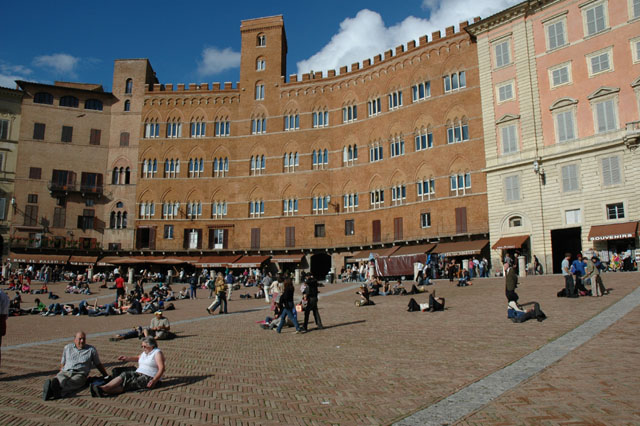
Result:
<point x="25" y="287"/>
<point x="78" y="359"/>
<point x="136" y="302"/>
<point x="377" y="287"/>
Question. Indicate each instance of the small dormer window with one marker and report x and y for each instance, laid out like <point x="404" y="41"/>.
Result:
<point x="515" y="221"/>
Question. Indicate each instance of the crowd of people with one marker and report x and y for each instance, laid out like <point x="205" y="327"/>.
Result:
<point x="79" y="358"/>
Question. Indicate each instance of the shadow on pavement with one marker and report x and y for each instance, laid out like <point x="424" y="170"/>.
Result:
<point x="343" y="324"/>
<point x="177" y="382"/>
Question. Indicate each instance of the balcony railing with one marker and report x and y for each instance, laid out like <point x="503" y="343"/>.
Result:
<point x="61" y="187"/>
<point x="67" y="188"/>
<point x="632" y="135"/>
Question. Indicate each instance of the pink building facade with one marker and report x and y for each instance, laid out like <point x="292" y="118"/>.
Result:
<point x="560" y="85"/>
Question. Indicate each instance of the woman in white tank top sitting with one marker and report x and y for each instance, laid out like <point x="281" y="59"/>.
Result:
<point x="146" y="376"/>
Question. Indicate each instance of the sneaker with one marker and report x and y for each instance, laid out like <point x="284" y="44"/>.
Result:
<point x="301" y="331"/>
<point x="47" y="390"/>
<point x="209" y="311"/>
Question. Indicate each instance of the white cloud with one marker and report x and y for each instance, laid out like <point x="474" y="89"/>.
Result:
<point x="9" y="81"/>
<point x="10" y="73"/>
<point x="61" y="63"/>
<point x="366" y="35"/>
<point x="215" y="60"/>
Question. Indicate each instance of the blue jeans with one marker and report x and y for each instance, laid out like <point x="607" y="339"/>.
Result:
<point x="287" y="312"/>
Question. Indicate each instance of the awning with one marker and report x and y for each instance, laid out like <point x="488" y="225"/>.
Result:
<point x="380" y="252"/>
<point x="50" y="259"/>
<point x="117" y="260"/>
<point x="83" y="260"/>
<point x="461" y="248"/>
<point x="249" y="262"/>
<point x="413" y="250"/>
<point x="167" y="260"/>
<point x="614" y="231"/>
<point x="510" y="242"/>
<point x="287" y="258"/>
<point x="216" y="261"/>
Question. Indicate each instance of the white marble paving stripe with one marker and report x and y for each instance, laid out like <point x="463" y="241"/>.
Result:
<point x="478" y="394"/>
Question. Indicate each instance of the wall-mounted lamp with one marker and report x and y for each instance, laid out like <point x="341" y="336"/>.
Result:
<point x="13" y="201"/>
<point x="537" y="168"/>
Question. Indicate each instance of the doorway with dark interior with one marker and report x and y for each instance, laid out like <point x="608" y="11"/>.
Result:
<point x="567" y="240"/>
<point x="320" y="265"/>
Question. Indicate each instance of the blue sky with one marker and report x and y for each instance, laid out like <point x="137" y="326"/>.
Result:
<point x="199" y="41"/>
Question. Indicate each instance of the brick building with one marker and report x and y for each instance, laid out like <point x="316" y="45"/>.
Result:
<point x="76" y="166"/>
<point x="385" y="154"/>
<point x="560" y="86"/>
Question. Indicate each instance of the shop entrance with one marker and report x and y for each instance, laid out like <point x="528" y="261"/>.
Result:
<point x="563" y="241"/>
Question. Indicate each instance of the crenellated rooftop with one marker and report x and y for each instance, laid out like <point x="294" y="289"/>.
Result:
<point x="436" y="37"/>
<point x="379" y="59"/>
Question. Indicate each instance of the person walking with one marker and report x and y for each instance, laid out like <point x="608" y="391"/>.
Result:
<point x="221" y="296"/>
<point x="311" y="293"/>
<point x="193" y="286"/>
<point x="287" y="306"/>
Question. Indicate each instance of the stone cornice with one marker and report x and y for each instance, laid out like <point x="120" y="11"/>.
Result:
<point x="525" y="8"/>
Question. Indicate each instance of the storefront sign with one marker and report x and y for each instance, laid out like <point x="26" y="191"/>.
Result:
<point x="612" y="237"/>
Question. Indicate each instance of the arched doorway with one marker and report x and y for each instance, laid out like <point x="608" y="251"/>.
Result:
<point x="320" y="265"/>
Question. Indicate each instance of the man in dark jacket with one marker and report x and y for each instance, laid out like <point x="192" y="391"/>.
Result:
<point x="311" y="293"/>
<point x="511" y="282"/>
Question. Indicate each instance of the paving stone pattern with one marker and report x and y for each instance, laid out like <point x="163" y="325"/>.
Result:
<point x="369" y="366"/>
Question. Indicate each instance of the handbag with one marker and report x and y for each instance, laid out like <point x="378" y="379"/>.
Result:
<point x="299" y="307"/>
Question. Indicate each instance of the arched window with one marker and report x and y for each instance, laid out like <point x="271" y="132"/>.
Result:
<point x="112" y="220"/>
<point x="260" y="64"/>
<point x="114" y="176"/>
<point x="69" y="101"/>
<point x="127" y="176"/>
<point x="174" y="128"/>
<point x="127" y="105"/>
<point x="124" y="220"/>
<point x="43" y="98"/>
<point x="94" y="104"/>
<point x="128" y="87"/>
<point x="261" y="40"/>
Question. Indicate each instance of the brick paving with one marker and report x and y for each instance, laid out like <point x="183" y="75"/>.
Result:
<point x="370" y="365"/>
